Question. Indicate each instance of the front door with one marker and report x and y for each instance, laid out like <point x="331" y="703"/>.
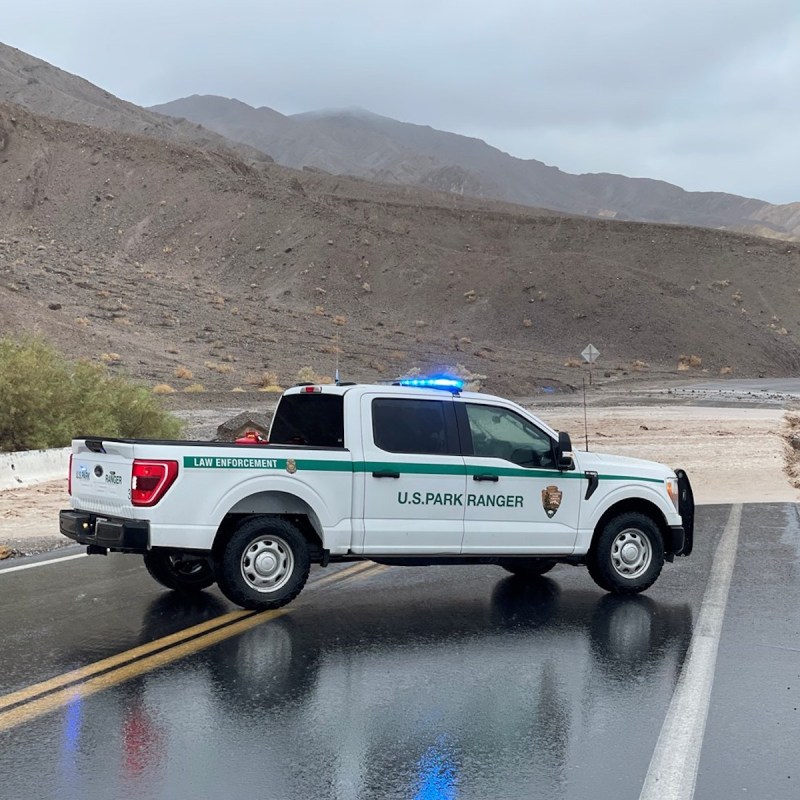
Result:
<point x="414" y="476"/>
<point x="516" y="500"/>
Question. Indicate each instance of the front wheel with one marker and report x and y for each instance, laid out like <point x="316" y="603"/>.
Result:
<point x="181" y="573"/>
<point x="264" y="565"/>
<point x="627" y="555"/>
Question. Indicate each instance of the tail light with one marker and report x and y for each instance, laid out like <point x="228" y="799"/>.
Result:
<point x="150" y="480"/>
<point x="69" y="477"/>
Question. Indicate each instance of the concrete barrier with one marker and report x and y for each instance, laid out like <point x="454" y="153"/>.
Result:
<point x="29" y="467"/>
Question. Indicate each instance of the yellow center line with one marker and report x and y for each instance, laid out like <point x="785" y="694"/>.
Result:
<point x="121" y="658"/>
<point x="173" y="646"/>
<point x="50" y="702"/>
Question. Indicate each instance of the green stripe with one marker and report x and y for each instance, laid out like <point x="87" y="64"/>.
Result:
<point x="629" y="478"/>
<point x="403" y="467"/>
<point x="409" y="469"/>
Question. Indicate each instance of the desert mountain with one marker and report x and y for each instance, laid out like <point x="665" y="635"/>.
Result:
<point x="381" y="149"/>
<point x="45" y="89"/>
<point x="185" y="266"/>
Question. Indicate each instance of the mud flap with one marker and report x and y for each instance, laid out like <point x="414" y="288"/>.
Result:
<point x="686" y="510"/>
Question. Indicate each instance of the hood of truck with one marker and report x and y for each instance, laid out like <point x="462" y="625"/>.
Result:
<point x="605" y="464"/>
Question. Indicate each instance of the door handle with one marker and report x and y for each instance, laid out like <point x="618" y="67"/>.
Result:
<point x="493" y="478"/>
<point x="385" y="473"/>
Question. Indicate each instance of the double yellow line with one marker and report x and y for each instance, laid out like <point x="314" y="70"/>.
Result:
<point x="41" y="698"/>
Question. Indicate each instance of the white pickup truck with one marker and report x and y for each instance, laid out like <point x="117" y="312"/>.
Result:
<point x="400" y="474"/>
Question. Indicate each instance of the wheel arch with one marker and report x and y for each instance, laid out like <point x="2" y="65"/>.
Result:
<point x="637" y="505"/>
<point x="278" y="504"/>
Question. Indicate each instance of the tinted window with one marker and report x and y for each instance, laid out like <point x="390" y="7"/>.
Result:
<point x="500" y="433"/>
<point x="402" y="425"/>
<point x="311" y="419"/>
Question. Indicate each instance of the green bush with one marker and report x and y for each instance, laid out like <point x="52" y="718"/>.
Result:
<point x="46" y="400"/>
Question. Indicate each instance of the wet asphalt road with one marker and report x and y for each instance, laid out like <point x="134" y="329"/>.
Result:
<point x="425" y="683"/>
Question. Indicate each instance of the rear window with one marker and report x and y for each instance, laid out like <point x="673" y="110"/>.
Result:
<point x="309" y="419"/>
<point x="412" y="426"/>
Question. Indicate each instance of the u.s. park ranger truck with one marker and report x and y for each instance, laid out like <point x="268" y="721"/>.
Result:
<point x="414" y="473"/>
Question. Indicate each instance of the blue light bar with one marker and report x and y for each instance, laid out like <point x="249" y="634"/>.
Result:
<point x="453" y="385"/>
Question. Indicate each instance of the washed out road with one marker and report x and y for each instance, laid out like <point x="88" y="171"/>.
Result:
<point x="446" y="682"/>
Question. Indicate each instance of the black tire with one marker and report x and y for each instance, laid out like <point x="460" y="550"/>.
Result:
<point x="185" y="574"/>
<point x="282" y="573"/>
<point x="626" y="557"/>
<point x="528" y="567"/>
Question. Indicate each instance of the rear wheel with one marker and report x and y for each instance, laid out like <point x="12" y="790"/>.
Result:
<point x="179" y="572"/>
<point x="627" y="555"/>
<point x="264" y="565"/>
<point x="528" y="567"/>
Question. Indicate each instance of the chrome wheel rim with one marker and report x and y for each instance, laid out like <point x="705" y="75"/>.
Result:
<point x="631" y="553"/>
<point x="267" y="564"/>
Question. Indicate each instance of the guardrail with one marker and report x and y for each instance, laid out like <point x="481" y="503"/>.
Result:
<point x="29" y="467"/>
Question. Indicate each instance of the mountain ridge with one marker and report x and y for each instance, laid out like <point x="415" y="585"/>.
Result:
<point x="376" y="147"/>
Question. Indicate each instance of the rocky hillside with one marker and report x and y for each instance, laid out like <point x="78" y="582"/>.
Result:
<point x="185" y="266"/>
<point x="383" y="149"/>
<point x="45" y="89"/>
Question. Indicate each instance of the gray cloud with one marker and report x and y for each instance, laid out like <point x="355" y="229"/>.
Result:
<point x="702" y="93"/>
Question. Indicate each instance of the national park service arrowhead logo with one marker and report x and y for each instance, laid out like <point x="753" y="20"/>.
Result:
<point x="291" y="466"/>
<point x="551" y="500"/>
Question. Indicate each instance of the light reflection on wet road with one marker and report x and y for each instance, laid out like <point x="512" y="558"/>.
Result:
<point x="396" y="683"/>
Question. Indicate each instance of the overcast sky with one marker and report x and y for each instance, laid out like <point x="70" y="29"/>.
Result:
<point x="701" y="93"/>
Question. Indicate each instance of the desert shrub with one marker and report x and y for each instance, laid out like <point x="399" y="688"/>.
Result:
<point x="46" y="400"/>
<point x="268" y="378"/>
<point x="163" y="388"/>
<point x="195" y="388"/>
<point x="184" y="373"/>
<point x="223" y="369"/>
<point x="689" y="362"/>
<point x="308" y="375"/>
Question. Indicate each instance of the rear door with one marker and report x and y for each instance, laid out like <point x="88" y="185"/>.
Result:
<point x="414" y="476"/>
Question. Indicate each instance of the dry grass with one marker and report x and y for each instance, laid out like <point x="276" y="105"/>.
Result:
<point x="267" y="378"/>
<point x="689" y="362"/>
<point x="163" y="388"/>
<point x="194" y="388"/>
<point x="308" y="375"/>
<point x="110" y="358"/>
<point x="222" y="369"/>
<point x="184" y="374"/>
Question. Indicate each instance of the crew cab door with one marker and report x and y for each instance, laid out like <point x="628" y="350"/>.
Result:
<point x="414" y="476"/>
<point x="516" y="500"/>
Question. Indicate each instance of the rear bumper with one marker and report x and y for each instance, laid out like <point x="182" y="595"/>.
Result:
<point x="110" y="533"/>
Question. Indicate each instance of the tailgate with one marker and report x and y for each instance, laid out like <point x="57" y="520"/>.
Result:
<point x="101" y="476"/>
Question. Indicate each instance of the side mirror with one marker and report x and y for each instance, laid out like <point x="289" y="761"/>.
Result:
<point x="564" y="452"/>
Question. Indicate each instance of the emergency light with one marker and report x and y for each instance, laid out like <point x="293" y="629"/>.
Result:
<point x="454" y="385"/>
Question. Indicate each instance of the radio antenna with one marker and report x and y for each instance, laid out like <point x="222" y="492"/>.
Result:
<point x="336" y="376"/>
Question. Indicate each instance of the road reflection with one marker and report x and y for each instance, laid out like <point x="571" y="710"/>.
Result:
<point x="523" y="695"/>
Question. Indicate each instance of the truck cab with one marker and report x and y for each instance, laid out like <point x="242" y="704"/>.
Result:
<point x="411" y="473"/>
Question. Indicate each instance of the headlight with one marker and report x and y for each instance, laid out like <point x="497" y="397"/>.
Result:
<point x="672" y="491"/>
